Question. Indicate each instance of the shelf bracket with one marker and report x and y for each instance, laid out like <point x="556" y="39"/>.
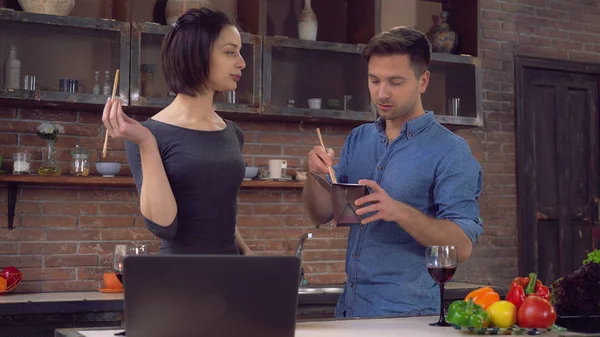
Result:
<point x="12" y="204"/>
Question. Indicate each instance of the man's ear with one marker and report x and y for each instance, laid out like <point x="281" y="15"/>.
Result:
<point x="424" y="81"/>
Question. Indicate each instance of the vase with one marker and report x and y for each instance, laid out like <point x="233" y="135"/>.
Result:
<point x="176" y="8"/>
<point x="444" y="39"/>
<point x="307" y="23"/>
<point x="49" y="165"/>
<point x="12" y="70"/>
<point x="53" y="7"/>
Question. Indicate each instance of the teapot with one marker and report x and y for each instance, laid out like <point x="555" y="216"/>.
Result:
<point x="343" y="196"/>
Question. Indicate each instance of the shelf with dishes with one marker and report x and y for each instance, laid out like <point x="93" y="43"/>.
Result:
<point x="286" y="78"/>
<point x="15" y="181"/>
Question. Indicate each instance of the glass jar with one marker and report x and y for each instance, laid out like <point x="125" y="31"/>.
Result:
<point x="21" y="163"/>
<point x="80" y="163"/>
<point x="147" y="80"/>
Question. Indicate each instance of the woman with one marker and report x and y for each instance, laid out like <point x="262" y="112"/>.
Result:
<point x="187" y="161"/>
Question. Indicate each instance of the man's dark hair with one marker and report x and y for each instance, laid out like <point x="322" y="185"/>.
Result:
<point x="186" y="49"/>
<point x="403" y="41"/>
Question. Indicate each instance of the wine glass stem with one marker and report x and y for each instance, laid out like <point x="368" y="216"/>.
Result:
<point x="442" y="316"/>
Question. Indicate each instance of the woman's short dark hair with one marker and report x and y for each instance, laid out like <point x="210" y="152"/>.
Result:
<point x="186" y="49"/>
<point x="403" y="41"/>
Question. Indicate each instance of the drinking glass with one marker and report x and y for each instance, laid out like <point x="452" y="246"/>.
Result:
<point x="121" y="251"/>
<point x="442" y="262"/>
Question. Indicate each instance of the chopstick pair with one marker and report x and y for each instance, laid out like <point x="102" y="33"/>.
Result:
<point x="114" y="92"/>
<point x="331" y="171"/>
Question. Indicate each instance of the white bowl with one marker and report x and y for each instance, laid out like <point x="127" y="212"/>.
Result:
<point x="107" y="169"/>
<point x="251" y="172"/>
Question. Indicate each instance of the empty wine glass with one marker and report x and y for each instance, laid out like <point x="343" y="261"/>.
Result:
<point x="121" y="251"/>
<point x="442" y="262"/>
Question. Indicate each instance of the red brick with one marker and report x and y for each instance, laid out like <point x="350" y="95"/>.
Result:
<point x="277" y="233"/>
<point x="537" y="3"/>
<point x="48" y="274"/>
<point x="99" y="248"/>
<point x="97" y="143"/>
<point x="568" y="45"/>
<point x="49" y="194"/>
<point x="277" y="138"/>
<point x="131" y="234"/>
<point x="260" y="126"/>
<point x="70" y="260"/>
<point x="48" y="221"/>
<point x="118" y="209"/>
<point x="69" y="208"/>
<point x="260" y="221"/>
<point x="298" y="221"/>
<point x="581" y="56"/>
<point x="48" y="115"/>
<point x="266" y="245"/>
<point x="315" y="267"/>
<point x="565" y="6"/>
<point x="22" y="235"/>
<point x="90" y="117"/>
<point x="23" y="261"/>
<point x="70" y="286"/>
<point x="337" y="278"/>
<point x="9" y="249"/>
<point x="535" y="41"/>
<point x="18" y="126"/>
<point x="583" y="37"/>
<point x="92" y="273"/>
<point x="9" y="138"/>
<point x="72" y="235"/>
<point x="47" y="248"/>
<point x="28" y="287"/>
<point x="82" y="130"/>
<point x="593" y="29"/>
<point x="108" y="195"/>
<point x="106" y="221"/>
<point x="552" y="14"/>
<point x="259" y="196"/>
<point x="287" y="209"/>
<point x="8" y="113"/>
<point x="577" y="18"/>
<point x="254" y="149"/>
<point x="491" y="25"/>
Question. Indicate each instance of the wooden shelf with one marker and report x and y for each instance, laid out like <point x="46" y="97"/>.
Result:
<point x="14" y="181"/>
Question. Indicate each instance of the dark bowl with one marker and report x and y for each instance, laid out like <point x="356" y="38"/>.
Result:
<point x="585" y="324"/>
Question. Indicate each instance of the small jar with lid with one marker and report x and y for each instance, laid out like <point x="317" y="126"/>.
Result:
<point x="80" y="162"/>
<point x="147" y="79"/>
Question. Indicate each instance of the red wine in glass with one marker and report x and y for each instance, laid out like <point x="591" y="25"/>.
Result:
<point x="441" y="262"/>
<point x="441" y="274"/>
<point x="120" y="277"/>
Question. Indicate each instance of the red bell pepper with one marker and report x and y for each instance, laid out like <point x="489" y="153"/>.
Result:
<point x="522" y="287"/>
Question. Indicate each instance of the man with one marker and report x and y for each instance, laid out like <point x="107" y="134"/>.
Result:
<point x="424" y="181"/>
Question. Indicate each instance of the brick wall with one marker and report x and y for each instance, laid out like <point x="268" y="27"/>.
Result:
<point x="65" y="236"/>
<point x="562" y="29"/>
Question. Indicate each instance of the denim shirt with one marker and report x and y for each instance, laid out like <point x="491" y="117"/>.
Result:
<point x="427" y="167"/>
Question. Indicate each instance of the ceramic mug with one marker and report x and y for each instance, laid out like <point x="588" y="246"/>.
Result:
<point x="314" y="103"/>
<point x="276" y="168"/>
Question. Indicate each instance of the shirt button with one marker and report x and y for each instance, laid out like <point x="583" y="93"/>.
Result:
<point x="351" y="285"/>
<point x="355" y="255"/>
<point x="383" y="141"/>
<point x="380" y="168"/>
<point x="362" y="226"/>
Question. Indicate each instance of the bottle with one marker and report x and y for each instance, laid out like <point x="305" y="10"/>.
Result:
<point x="106" y="83"/>
<point x="96" y="90"/>
<point x="12" y="70"/>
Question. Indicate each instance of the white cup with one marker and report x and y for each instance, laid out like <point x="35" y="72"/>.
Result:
<point x="276" y="167"/>
<point x="314" y="103"/>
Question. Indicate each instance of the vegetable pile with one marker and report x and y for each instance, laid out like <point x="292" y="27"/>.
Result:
<point x="526" y="305"/>
<point x="578" y="293"/>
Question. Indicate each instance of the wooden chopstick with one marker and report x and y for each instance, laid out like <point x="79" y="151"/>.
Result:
<point x="331" y="172"/>
<point x="114" y="92"/>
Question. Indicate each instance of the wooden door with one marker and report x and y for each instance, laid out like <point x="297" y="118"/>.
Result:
<point x="557" y="165"/>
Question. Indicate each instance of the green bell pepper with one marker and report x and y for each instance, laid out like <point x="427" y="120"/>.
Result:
<point x="467" y="314"/>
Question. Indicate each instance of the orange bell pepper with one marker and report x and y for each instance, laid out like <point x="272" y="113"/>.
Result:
<point x="484" y="296"/>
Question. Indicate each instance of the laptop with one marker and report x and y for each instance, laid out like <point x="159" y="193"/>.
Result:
<point x="210" y="295"/>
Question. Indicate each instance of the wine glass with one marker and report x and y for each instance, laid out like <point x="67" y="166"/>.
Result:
<point x="121" y="251"/>
<point x="441" y="263"/>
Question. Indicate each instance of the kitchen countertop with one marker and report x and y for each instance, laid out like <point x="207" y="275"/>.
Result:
<point x="95" y="301"/>
<point x="380" y="327"/>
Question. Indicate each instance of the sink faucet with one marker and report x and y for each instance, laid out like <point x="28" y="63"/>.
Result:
<point x="299" y="255"/>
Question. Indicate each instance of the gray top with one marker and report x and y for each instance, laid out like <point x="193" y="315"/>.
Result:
<point x="205" y="170"/>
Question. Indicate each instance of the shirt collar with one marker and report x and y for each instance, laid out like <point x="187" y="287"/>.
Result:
<point x="412" y="127"/>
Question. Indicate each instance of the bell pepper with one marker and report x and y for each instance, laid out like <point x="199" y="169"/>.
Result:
<point x="467" y="314"/>
<point x="522" y="287"/>
<point x="484" y="296"/>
